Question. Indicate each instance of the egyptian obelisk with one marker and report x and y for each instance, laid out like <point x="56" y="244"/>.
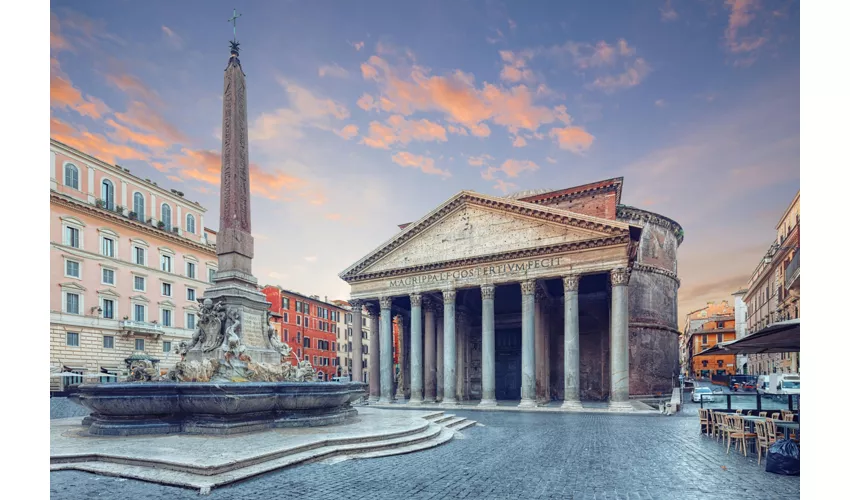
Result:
<point x="234" y="285"/>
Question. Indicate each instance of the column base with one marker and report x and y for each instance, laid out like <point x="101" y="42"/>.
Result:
<point x="620" y="406"/>
<point x="414" y="402"/>
<point x="488" y="403"/>
<point x="373" y="399"/>
<point x="449" y="403"/>
<point x="385" y="401"/>
<point x="572" y="405"/>
<point x="527" y="403"/>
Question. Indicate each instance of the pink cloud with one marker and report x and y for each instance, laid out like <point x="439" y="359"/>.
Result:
<point x="399" y="130"/>
<point x="423" y="163"/>
<point x="347" y="132"/>
<point x="519" y="142"/>
<point x="574" y="139"/>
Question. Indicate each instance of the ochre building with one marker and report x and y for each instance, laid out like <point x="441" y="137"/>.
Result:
<point x="563" y="295"/>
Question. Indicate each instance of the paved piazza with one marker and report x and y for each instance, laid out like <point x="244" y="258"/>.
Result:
<point x="511" y="455"/>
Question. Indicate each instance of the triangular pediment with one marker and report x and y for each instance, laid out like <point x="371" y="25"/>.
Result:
<point x="72" y="285"/>
<point x="108" y="292"/>
<point x="471" y="225"/>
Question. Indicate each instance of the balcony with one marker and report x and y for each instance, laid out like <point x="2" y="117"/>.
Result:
<point x="142" y="328"/>
<point x="792" y="273"/>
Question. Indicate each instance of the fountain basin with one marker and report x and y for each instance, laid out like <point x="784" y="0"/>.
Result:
<point x="125" y="409"/>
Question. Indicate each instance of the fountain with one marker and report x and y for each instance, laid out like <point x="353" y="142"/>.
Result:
<point x="235" y="374"/>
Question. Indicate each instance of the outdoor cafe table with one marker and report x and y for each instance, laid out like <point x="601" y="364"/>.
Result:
<point x="779" y="423"/>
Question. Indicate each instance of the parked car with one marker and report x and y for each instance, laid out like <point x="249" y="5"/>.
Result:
<point x="702" y="394"/>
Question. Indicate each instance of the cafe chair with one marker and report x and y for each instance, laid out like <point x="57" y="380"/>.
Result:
<point x="704" y="423"/>
<point x="770" y="425"/>
<point x="762" y="441"/>
<point x="763" y="414"/>
<point x="739" y="433"/>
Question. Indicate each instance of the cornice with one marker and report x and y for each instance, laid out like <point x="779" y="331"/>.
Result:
<point x="554" y="197"/>
<point x="517" y="254"/>
<point x="510" y="206"/>
<point x="646" y="268"/>
<point x="625" y="212"/>
<point x="110" y="216"/>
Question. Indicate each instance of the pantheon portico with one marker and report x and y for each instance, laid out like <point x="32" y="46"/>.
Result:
<point x="563" y="295"/>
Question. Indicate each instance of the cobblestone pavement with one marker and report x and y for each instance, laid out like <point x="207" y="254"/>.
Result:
<point x="512" y="456"/>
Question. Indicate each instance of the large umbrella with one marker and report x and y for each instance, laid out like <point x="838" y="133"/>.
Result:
<point x="783" y="336"/>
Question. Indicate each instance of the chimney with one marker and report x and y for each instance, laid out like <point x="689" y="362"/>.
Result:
<point x="326" y="298"/>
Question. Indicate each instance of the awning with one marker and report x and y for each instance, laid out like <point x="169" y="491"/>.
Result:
<point x="783" y="336"/>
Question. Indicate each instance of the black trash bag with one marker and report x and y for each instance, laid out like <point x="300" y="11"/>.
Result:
<point x="783" y="457"/>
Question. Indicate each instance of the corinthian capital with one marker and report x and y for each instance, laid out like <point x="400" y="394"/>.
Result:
<point x="449" y="295"/>
<point x="356" y="304"/>
<point x="386" y="302"/>
<point x="620" y="276"/>
<point x="415" y="299"/>
<point x="371" y="308"/>
<point x="488" y="292"/>
<point x="528" y="287"/>
<point x="571" y="282"/>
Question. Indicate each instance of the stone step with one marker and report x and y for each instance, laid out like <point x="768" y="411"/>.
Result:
<point x="433" y="435"/>
<point x="445" y="436"/>
<point x="464" y="425"/>
<point x="433" y="415"/>
<point x="443" y="418"/>
<point x="453" y="422"/>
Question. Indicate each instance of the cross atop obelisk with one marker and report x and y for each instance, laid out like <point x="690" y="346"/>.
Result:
<point x="233" y="20"/>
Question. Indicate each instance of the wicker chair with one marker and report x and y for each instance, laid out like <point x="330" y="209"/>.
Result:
<point x="739" y="432"/>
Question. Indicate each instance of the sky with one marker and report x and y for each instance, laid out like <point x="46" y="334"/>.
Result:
<point x="366" y="115"/>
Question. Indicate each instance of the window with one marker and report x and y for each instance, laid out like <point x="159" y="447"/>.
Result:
<point x="333" y="346"/>
<point x="108" y="342"/>
<point x="315" y="360"/>
<point x="72" y="269"/>
<point x="190" y="321"/>
<point x="107" y="276"/>
<point x="138" y="312"/>
<point x="140" y="344"/>
<point x="107" y="247"/>
<point x="72" y="303"/>
<point x="190" y="269"/>
<point x="165" y="216"/>
<point x="166" y="289"/>
<point x="72" y="176"/>
<point x="72" y="236"/>
<point x="190" y="294"/>
<point x="286" y="317"/>
<point x="285" y="335"/>
<point x="166" y="346"/>
<point x="705" y="338"/>
<point x="297" y="306"/>
<point x="107" y="194"/>
<point x="139" y="283"/>
<point x="139" y="206"/>
<point x="284" y="303"/>
<point x="298" y="320"/>
<point x="139" y="256"/>
<point x="72" y="339"/>
<point x="719" y="338"/>
<point x="307" y="342"/>
<point x="211" y="275"/>
<point x="299" y="352"/>
<point x="720" y="324"/>
<point x="166" y="317"/>
<point x="165" y="263"/>
<point x="190" y="223"/>
<point x="298" y="337"/>
<point x="108" y="308"/>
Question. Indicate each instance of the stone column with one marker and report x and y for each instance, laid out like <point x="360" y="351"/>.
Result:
<point x="416" y="386"/>
<point x="356" y="340"/>
<point x="460" y="350"/>
<point x="449" y="353"/>
<point x="541" y="376"/>
<point x="488" y="346"/>
<point x="405" y="356"/>
<point x="374" y="353"/>
<point x="571" y="352"/>
<point x="438" y="316"/>
<point x="399" y="375"/>
<point x="386" y="348"/>
<point x="430" y="352"/>
<point x="620" y="340"/>
<point x="528" y="396"/>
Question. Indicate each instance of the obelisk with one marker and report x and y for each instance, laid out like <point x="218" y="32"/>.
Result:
<point x="234" y="285"/>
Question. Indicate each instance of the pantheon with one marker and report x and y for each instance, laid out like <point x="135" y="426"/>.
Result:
<point x="536" y="298"/>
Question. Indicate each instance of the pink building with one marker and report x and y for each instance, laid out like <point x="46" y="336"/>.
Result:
<point x="128" y="261"/>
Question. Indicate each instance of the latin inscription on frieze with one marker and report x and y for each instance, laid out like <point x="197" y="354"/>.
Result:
<point x="252" y="329"/>
<point x="478" y="272"/>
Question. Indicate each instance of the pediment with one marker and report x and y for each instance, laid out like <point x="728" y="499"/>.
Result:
<point x="139" y="298"/>
<point x="72" y="285"/>
<point x="470" y="225"/>
<point x="109" y="292"/>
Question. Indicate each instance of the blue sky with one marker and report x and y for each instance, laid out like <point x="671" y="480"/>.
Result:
<point x="364" y="115"/>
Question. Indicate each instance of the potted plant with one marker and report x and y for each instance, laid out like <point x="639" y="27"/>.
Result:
<point x="99" y="203"/>
<point x="132" y="215"/>
<point x="119" y="209"/>
<point x="175" y="229"/>
<point x="160" y="224"/>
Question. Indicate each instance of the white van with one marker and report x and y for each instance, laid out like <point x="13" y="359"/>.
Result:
<point x="779" y="384"/>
